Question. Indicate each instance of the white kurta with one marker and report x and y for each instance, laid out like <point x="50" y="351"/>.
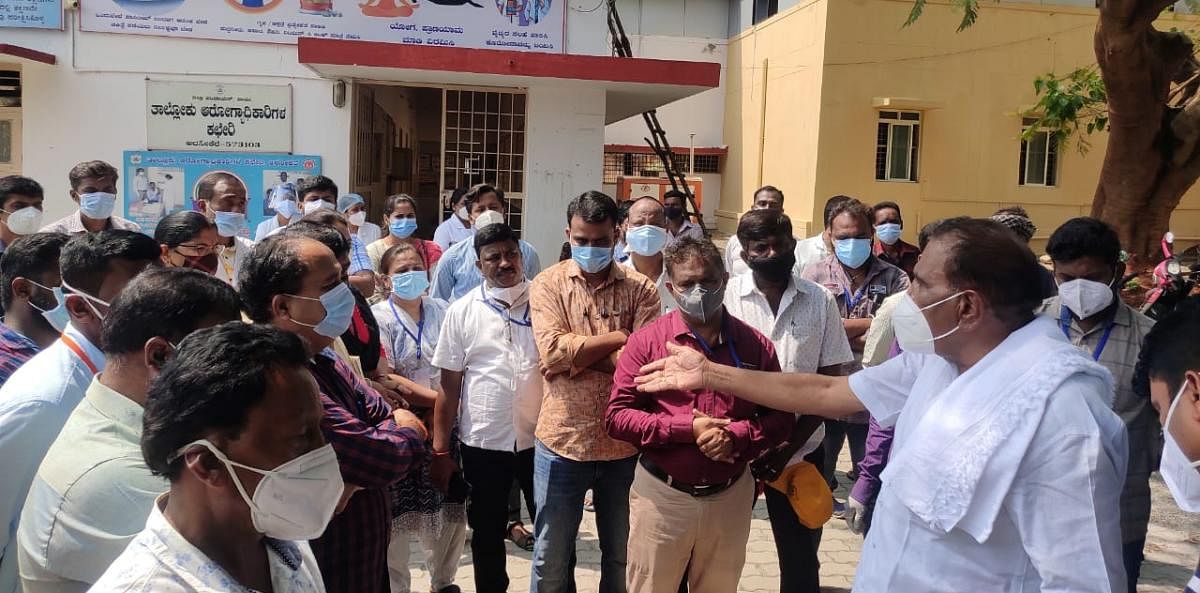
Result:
<point x="1043" y="517"/>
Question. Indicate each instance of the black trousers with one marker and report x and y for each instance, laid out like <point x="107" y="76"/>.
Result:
<point x="491" y="475"/>
<point x="796" y="545"/>
<point x="836" y="432"/>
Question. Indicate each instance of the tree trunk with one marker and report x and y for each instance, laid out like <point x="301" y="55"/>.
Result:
<point x="1153" y="153"/>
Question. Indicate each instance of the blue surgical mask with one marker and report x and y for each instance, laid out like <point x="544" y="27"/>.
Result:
<point x="646" y="240"/>
<point x="888" y="233"/>
<point x="230" y="224"/>
<point x="852" y="252"/>
<point x="403" y="228"/>
<point x="592" y="259"/>
<point x="57" y="317"/>
<point x="339" y="310"/>
<point x="97" y="205"/>
<point x="410" y="285"/>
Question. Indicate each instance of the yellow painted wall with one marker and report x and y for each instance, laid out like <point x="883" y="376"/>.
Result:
<point x="792" y="45"/>
<point x="970" y="86"/>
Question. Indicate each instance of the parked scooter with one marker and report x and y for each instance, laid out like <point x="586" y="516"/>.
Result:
<point x="1173" y="282"/>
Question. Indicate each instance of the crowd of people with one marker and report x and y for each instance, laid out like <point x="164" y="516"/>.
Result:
<point x="189" y="410"/>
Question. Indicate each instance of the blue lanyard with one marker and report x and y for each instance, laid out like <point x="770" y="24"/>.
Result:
<point x="852" y="301"/>
<point x="420" y="326"/>
<point x="1064" y="322"/>
<point x="501" y="311"/>
<point x="708" y="350"/>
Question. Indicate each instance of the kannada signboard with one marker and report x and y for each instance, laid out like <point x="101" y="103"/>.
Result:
<point x="217" y="116"/>
<point x="520" y="25"/>
<point x="161" y="183"/>
<point x="32" y="14"/>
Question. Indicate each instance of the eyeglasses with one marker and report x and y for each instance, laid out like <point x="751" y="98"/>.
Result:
<point x="198" y="249"/>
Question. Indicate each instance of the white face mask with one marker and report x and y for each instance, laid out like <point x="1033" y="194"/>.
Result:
<point x="513" y="295"/>
<point x="293" y="501"/>
<point x="25" y="221"/>
<point x="462" y="214"/>
<point x="1085" y="297"/>
<point x="1179" y="472"/>
<point x="317" y="206"/>
<point x="358" y="218"/>
<point x="912" y="329"/>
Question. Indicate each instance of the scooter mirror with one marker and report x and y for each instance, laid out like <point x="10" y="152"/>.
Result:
<point x="1169" y="237"/>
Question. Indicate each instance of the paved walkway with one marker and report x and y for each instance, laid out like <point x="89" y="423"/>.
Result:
<point x="1171" y="553"/>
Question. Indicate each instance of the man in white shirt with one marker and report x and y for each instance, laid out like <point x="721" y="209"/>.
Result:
<point x="810" y="250"/>
<point x="492" y="387"/>
<point x="234" y="396"/>
<point x="221" y="197"/>
<point x="646" y="236"/>
<point x="93" y="491"/>
<point x="1008" y="462"/>
<point x="283" y="202"/>
<point x="38" y="398"/>
<point x="803" y="321"/>
<point x="458" y="227"/>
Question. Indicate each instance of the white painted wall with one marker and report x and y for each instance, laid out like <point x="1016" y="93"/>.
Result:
<point x="91" y="105"/>
<point x="564" y="155"/>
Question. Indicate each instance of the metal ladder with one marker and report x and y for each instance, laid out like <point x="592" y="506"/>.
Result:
<point x="658" y="138"/>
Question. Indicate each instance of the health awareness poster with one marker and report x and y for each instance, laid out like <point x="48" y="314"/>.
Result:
<point x="160" y="183"/>
<point x="519" y="25"/>
<point x="31" y="14"/>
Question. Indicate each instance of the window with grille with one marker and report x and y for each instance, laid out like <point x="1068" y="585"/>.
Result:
<point x="10" y="88"/>
<point x="639" y="164"/>
<point x="484" y="142"/>
<point x="897" y="145"/>
<point x="1039" y="157"/>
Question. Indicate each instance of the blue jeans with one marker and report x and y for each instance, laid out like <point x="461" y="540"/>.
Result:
<point x="559" y="486"/>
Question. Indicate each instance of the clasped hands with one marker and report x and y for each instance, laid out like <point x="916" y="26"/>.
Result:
<point x="713" y="436"/>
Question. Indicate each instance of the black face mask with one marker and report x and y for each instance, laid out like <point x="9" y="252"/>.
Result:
<point x="673" y="212"/>
<point x="775" y="268"/>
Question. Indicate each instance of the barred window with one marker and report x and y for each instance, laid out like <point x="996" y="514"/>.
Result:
<point x="897" y="145"/>
<point x="638" y="164"/>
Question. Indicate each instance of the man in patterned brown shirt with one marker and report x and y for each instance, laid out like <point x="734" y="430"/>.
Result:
<point x="583" y="310"/>
<point x="859" y="282"/>
<point x="1089" y="311"/>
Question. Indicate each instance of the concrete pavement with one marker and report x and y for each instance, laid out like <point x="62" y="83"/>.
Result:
<point x="1171" y="553"/>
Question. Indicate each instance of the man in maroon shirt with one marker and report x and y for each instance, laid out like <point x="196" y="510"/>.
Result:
<point x="692" y="492"/>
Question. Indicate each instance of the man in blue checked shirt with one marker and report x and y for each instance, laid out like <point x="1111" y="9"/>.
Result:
<point x="457" y="273"/>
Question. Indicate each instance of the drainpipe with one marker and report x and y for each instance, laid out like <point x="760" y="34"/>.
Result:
<point x="762" y="127"/>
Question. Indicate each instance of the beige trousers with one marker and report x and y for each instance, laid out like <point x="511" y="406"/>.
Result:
<point x="668" y="528"/>
<point x="442" y="556"/>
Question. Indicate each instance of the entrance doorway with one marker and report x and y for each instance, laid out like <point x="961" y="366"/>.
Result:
<point x="10" y="122"/>
<point x="427" y="141"/>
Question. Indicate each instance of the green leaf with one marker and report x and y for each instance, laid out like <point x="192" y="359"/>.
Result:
<point x="1038" y="85"/>
<point x="914" y="14"/>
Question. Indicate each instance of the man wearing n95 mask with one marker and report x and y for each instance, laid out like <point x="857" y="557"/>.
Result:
<point x="20" y="208"/>
<point x="1169" y="368"/>
<point x="94" y="189"/>
<point x="1089" y="312"/>
<point x="233" y="421"/>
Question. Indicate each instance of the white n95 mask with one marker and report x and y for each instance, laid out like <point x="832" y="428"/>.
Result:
<point x="1179" y="472"/>
<point x="912" y="329"/>
<point x="294" y="501"/>
<point x="1085" y="297"/>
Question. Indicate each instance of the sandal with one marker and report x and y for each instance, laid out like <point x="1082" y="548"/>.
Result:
<point x="520" y="536"/>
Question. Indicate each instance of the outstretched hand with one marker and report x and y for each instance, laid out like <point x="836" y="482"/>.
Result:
<point x="682" y="370"/>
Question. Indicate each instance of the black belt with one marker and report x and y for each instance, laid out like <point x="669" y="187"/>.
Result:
<point x="698" y="491"/>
